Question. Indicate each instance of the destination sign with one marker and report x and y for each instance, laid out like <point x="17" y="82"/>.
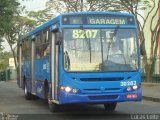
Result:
<point x="106" y="20"/>
<point x="98" y="20"/>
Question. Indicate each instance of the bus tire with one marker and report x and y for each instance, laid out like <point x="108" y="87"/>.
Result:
<point x="110" y="106"/>
<point x="27" y="95"/>
<point x="53" y="107"/>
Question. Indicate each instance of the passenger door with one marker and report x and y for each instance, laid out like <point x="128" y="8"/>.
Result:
<point x="33" y="64"/>
<point x="19" y="58"/>
<point x="54" y="64"/>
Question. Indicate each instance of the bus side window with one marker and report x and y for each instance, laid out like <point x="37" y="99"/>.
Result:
<point x="45" y="43"/>
<point x="22" y="50"/>
<point x="28" y="49"/>
<point x="38" y="46"/>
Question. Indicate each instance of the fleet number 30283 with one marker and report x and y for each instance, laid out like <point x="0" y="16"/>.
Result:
<point x="128" y="83"/>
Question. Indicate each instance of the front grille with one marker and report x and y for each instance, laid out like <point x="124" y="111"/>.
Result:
<point x="107" y="89"/>
<point x="103" y="97"/>
<point x="112" y="89"/>
<point x="91" y="89"/>
<point x="102" y="79"/>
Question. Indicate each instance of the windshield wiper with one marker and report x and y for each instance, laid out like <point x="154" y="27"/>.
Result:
<point x="89" y="46"/>
<point x="88" y="43"/>
<point x="111" y="40"/>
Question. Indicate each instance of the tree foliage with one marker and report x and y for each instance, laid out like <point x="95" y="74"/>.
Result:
<point x="20" y="26"/>
<point x="8" y="9"/>
<point x="134" y="7"/>
<point x="62" y="6"/>
<point x="40" y="16"/>
<point x="4" y="57"/>
<point x="1" y="46"/>
<point x="12" y="25"/>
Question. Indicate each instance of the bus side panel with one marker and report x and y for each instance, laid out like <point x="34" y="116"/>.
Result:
<point x="41" y="74"/>
<point x="23" y="72"/>
<point x="39" y="89"/>
<point x="46" y="68"/>
<point x="28" y="76"/>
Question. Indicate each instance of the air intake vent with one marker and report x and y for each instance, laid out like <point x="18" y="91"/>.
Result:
<point x="102" y="79"/>
<point x="107" y="89"/>
<point x="104" y="97"/>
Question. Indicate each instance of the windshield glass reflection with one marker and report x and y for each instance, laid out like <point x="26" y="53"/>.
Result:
<point x="100" y="50"/>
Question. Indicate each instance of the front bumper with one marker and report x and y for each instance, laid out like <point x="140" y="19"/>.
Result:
<point x="69" y="98"/>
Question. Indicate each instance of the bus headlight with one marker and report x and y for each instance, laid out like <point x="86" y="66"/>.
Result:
<point x="135" y="87"/>
<point x="131" y="88"/>
<point x="68" y="89"/>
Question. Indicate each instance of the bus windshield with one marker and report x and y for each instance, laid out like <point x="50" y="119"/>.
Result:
<point x="99" y="50"/>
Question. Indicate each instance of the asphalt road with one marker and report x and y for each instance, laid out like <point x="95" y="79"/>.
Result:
<point x="12" y="102"/>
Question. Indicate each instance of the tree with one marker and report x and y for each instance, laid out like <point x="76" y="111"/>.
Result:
<point x="18" y="27"/>
<point x="62" y="6"/>
<point x="8" y="8"/>
<point x="4" y="59"/>
<point x="1" y="46"/>
<point x="40" y="16"/>
<point x="133" y="6"/>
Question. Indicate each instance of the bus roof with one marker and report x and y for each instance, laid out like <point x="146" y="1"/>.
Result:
<point x="41" y="27"/>
<point x="56" y="19"/>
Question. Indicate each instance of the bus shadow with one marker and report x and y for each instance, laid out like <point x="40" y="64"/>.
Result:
<point x="71" y="109"/>
<point x="85" y="109"/>
<point x="89" y="111"/>
<point x="75" y="109"/>
<point x="81" y="108"/>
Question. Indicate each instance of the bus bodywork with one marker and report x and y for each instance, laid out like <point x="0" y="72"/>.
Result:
<point x="69" y="59"/>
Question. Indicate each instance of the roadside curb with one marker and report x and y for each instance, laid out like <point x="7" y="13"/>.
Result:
<point x="150" y="84"/>
<point x="151" y="98"/>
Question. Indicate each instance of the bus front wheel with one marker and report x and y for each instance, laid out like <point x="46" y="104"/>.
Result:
<point x="52" y="106"/>
<point x="110" y="106"/>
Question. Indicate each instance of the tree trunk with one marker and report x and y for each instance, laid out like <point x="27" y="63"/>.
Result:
<point x="14" y="55"/>
<point x="155" y="52"/>
<point x="147" y="68"/>
<point x="81" y="5"/>
<point x="15" y="60"/>
<point x="148" y="74"/>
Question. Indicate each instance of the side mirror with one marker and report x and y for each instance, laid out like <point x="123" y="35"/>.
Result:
<point x="58" y="38"/>
<point x="142" y="49"/>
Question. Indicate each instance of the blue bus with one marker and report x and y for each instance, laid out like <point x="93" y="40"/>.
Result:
<point x="82" y="57"/>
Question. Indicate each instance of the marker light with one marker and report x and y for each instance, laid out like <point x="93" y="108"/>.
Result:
<point x="129" y="96"/>
<point x="129" y="88"/>
<point x="62" y="88"/>
<point x="134" y="95"/>
<point x="68" y="89"/>
<point x="74" y="90"/>
<point x="135" y="87"/>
